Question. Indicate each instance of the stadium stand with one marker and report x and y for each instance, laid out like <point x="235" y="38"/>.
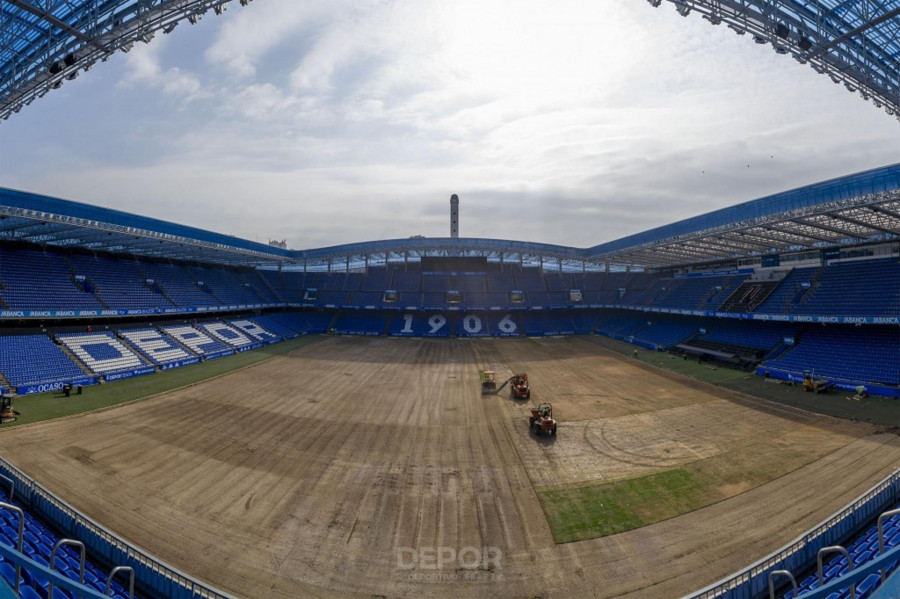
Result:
<point x="790" y="291"/>
<point x="226" y="334"/>
<point x="542" y="322"/>
<point x="38" y="543"/>
<point x="155" y="346"/>
<point x="303" y="322"/>
<point x="270" y="324"/>
<point x="197" y="341"/>
<point x="867" y="354"/>
<point x="254" y="330"/>
<point x="37" y="280"/>
<point x="359" y="323"/>
<point x="118" y="283"/>
<point x="420" y="324"/>
<point x="34" y="360"/>
<point x="102" y="353"/>
<point x="869" y="287"/>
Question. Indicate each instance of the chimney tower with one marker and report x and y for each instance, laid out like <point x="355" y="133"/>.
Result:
<point x="454" y="216"/>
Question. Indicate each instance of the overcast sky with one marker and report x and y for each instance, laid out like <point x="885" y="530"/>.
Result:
<point x="569" y="122"/>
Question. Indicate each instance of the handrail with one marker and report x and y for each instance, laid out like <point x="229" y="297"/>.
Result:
<point x="12" y="485"/>
<point x="881" y="520"/>
<point x="56" y="547"/>
<point x="60" y="580"/>
<point x="112" y="575"/>
<point x="762" y="565"/>
<point x="823" y="551"/>
<point x="168" y="573"/>
<point x="21" y="539"/>
<point x="775" y="573"/>
<point x="857" y="575"/>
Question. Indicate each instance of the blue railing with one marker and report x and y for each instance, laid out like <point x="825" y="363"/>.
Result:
<point x="150" y="572"/>
<point x="797" y="555"/>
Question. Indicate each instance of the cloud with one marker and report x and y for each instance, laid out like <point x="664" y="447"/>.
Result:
<point x="144" y="69"/>
<point x="346" y="121"/>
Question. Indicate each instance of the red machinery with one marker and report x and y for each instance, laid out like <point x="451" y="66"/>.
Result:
<point x="541" y="419"/>
<point x="519" y="388"/>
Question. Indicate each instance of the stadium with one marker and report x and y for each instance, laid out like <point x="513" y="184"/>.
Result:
<point x="703" y="409"/>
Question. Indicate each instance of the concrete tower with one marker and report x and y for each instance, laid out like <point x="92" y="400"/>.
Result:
<point x="454" y="216"/>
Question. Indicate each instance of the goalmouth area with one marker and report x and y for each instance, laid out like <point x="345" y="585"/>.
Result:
<point x="374" y="466"/>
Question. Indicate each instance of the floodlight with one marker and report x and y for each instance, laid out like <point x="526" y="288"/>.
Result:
<point x="654" y="3"/>
<point x="192" y="19"/>
<point x="683" y="9"/>
<point x="170" y="27"/>
<point x="736" y="29"/>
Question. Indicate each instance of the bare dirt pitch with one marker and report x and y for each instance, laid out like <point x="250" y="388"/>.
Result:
<point x="352" y="466"/>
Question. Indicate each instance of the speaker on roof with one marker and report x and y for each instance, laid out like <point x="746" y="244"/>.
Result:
<point x="805" y="44"/>
<point x="69" y="59"/>
<point x="782" y="31"/>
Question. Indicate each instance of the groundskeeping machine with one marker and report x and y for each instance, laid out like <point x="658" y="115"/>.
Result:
<point x="519" y="387"/>
<point x="541" y="420"/>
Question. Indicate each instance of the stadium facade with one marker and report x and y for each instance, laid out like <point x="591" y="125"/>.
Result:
<point x="90" y="295"/>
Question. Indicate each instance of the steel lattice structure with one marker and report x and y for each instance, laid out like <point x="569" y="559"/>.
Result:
<point x="858" y="209"/>
<point x="855" y="42"/>
<point x="43" y="43"/>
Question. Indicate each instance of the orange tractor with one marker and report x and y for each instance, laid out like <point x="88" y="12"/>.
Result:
<point x="541" y="419"/>
<point x="519" y="388"/>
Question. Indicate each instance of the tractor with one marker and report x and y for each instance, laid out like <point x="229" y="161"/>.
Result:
<point x="541" y="419"/>
<point x="519" y="388"/>
<point x="488" y="384"/>
<point x="7" y="413"/>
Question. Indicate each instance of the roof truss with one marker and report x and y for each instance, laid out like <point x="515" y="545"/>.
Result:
<point x="856" y="43"/>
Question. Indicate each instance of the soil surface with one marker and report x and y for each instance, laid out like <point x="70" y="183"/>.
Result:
<point x="374" y="467"/>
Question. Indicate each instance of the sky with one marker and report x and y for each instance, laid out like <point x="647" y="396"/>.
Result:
<point x="571" y="122"/>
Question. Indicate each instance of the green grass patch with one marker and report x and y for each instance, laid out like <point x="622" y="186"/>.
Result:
<point x="883" y="411"/>
<point x="44" y="406"/>
<point x="591" y="511"/>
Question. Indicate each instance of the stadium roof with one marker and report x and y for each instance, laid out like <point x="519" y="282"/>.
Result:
<point x="851" y="210"/>
<point x="43" y="43"/>
<point x="855" y="42"/>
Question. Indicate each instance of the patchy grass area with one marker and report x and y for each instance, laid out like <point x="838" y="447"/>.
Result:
<point x="876" y="410"/>
<point x="44" y="406"/>
<point x="596" y="510"/>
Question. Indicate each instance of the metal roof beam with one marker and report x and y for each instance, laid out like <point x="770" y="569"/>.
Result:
<point x="883" y="210"/>
<point x="824" y="227"/>
<point x="774" y="241"/>
<point x="854" y="221"/>
<point x="803" y="234"/>
<point x="49" y="18"/>
<point x="854" y="32"/>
